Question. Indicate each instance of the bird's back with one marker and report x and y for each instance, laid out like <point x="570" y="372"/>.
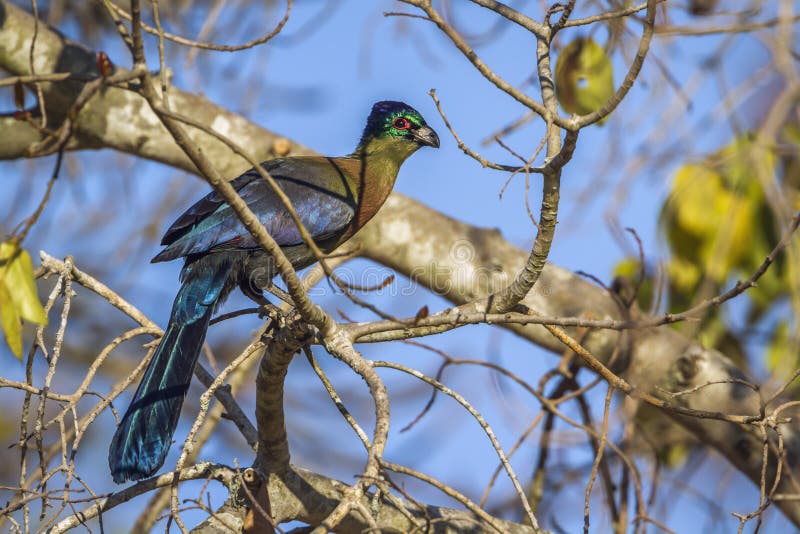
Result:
<point x="324" y="193"/>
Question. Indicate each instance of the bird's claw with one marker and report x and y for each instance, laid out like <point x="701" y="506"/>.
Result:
<point x="276" y="316"/>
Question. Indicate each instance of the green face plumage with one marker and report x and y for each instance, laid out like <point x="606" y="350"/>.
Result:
<point x="398" y="123"/>
<point x="392" y="121"/>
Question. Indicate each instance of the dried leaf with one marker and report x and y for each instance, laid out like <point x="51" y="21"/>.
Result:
<point x="104" y="64"/>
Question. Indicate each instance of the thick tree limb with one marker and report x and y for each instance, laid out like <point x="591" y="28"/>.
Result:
<point x="310" y="497"/>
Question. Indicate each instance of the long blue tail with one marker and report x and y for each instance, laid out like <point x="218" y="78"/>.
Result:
<point x="142" y="440"/>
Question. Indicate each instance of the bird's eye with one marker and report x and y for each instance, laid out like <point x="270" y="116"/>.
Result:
<point x="401" y="123"/>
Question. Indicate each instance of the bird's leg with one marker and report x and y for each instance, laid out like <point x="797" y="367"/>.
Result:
<point x="254" y="294"/>
<point x="276" y="316"/>
<point x="257" y="296"/>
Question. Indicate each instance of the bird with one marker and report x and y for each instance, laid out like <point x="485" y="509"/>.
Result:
<point x="333" y="196"/>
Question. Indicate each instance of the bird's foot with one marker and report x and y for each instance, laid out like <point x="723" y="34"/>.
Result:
<point x="276" y="316"/>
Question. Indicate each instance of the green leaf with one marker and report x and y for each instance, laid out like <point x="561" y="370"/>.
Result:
<point x="631" y="269"/>
<point x="779" y="355"/>
<point x="16" y="270"/>
<point x="584" y="77"/>
<point x="716" y="218"/>
<point x="10" y="321"/>
<point x="676" y="455"/>
<point x="683" y="274"/>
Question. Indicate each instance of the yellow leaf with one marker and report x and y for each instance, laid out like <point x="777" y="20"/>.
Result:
<point x="584" y="77"/>
<point x="628" y="267"/>
<point x="683" y="274"/>
<point x="779" y="355"/>
<point x="10" y="321"/>
<point x="740" y="163"/>
<point x="676" y="455"/>
<point x="716" y="216"/>
<point x="16" y="269"/>
<point x="695" y="200"/>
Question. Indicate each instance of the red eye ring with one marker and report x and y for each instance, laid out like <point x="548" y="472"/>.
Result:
<point x="401" y="123"/>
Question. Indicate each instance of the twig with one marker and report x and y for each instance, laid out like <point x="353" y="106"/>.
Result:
<point x="598" y="457"/>
<point x="210" y="46"/>
<point x="481" y="421"/>
<point x="337" y="401"/>
<point x="202" y="470"/>
<point x="447" y="490"/>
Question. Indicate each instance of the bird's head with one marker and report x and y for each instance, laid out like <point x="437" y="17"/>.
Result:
<point x="398" y="128"/>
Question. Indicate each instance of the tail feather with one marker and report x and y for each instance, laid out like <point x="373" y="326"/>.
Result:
<point x="144" y="436"/>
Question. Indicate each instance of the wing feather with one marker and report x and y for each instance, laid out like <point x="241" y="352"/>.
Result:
<point x="318" y="189"/>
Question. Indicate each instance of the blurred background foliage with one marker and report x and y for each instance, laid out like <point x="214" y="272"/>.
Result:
<point x="719" y="226"/>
